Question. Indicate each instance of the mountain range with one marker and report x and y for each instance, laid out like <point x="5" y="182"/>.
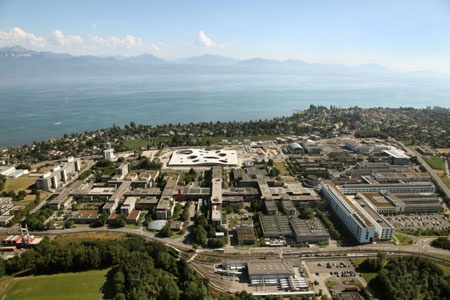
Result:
<point x="21" y="62"/>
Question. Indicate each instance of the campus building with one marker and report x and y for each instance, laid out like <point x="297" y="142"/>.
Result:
<point x="348" y="212"/>
<point x="375" y="187"/>
<point x="200" y="157"/>
<point x="59" y="175"/>
<point x="216" y="196"/>
<point x="390" y="203"/>
<point x="128" y="205"/>
<point x="396" y="157"/>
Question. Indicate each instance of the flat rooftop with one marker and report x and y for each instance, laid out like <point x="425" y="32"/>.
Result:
<point x="373" y="214"/>
<point x="201" y="157"/>
<point x="275" y="225"/>
<point x="356" y="213"/>
<point x="311" y="227"/>
<point x="269" y="268"/>
<point x="377" y="199"/>
<point x="245" y="233"/>
<point x="395" y="153"/>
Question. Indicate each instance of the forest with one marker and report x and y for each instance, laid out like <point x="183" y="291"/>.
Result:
<point x="408" y="278"/>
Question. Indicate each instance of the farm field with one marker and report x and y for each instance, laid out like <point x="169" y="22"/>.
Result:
<point x="67" y="286"/>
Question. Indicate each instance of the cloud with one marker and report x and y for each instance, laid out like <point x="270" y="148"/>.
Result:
<point x="58" y="38"/>
<point x="127" y="42"/>
<point x="17" y="36"/>
<point x="94" y="44"/>
<point x="204" y="40"/>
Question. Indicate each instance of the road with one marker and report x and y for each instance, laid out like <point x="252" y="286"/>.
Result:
<point x="430" y="171"/>
<point x="421" y="245"/>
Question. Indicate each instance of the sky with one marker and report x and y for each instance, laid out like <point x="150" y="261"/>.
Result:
<point x="404" y="35"/>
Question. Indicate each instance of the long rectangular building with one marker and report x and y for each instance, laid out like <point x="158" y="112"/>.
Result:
<point x="360" y="227"/>
<point x="383" y="228"/>
<point x="389" y="203"/>
<point x="60" y="173"/>
<point x="413" y="187"/>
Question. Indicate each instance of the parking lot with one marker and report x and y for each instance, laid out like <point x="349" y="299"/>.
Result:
<point x="422" y="221"/>
<point x="340" y="273"/>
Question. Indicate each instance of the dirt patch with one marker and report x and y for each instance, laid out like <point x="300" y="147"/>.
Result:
<point x="439" y="172"/>
<point x="89" y="236"/>
<point x="443" y="150"/>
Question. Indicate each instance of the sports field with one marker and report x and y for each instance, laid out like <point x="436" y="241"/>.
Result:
<point x="67" y="286"/>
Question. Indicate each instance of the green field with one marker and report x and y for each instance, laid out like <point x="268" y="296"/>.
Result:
<point x="403" y="240"/>
<point x="367" y="276"/>
<point x="446" y="181"/>
<point x="68" y="286"/>
<point x="138" y="143"/>
<point x="17" y="184"/>
<point x="446" y="269"/>
<point x="436" y="163"/>
<point x="282" y="167"/>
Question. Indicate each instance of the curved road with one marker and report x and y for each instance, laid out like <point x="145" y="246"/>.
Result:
<point x="421" y="245"/>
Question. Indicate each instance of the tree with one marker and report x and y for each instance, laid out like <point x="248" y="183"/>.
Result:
<point x="216" y="243"/>
<point x="306" y="213"/>
<point x="69" y="224"/>
<point x="101" y="221"/>
<point x="194" y="291"/>
<point x="121" y="220"/>
<point x="21" y="195"/>
<point x="165" y="231"/>
<point x="199" y="235"/>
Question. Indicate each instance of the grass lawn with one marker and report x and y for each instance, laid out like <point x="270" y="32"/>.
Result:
<point x="89" y="236"/>
<point x="177" y="235"/>
<point x="330" y="284"/>
<point x="217" y="139"/>
<point x="441" y="256"/>
<point x="281" y="166"/>
<point x="403" y="240"/>
<point x="354" y="282"/>
<point x="367" y="276"/>
<point x="446" y="269"/>
<point x="446" y="181"/>
<point x="138" y="143"/>
<point x="17" y="184"/>
<point x="357" y="261"/>
<point x="67" y="286"/>
<point x="436" y="163"/>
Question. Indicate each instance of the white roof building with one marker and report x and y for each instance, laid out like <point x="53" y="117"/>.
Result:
<point x="201" y="157"/>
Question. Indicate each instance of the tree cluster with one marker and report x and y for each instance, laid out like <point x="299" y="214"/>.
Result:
<point x="442" y="242"/>
<point x="409" y="278"/>
<point x="37" y="220"/>
<point x="204" y="233"/>
<point x="334" y="233"/>
<point x="189" y="177"/>
<point x="2" y="182"/>
<point x="146" y="164"/>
